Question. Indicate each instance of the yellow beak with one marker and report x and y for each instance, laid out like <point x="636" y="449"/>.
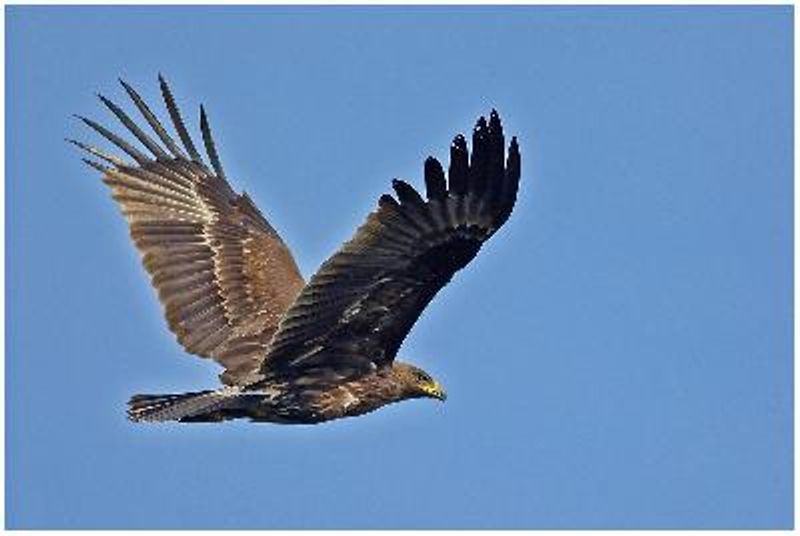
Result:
<point x="435" y="391"/>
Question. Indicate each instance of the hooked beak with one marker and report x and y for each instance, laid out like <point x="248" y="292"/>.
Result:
<point x="437" y="391"/>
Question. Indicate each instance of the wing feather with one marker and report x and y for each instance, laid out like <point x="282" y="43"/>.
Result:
<point x="221" y="271"/>
<point x="211" y="148"/>
<point x="364" y="299"/>
<point x="177" y="121"/>
<point x="146" y="140"/>
<point x="153" y="121"/>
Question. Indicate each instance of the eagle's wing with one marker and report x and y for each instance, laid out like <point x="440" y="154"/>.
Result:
<point x="223" y="274"/>
<point x="364" y="300"/>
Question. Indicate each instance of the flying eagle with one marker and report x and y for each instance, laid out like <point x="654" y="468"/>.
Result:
<point x="295" y="351"/>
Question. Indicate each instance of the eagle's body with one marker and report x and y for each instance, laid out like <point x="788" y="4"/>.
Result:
<point x="297" y="352"/>
<point x="283" y="401"/>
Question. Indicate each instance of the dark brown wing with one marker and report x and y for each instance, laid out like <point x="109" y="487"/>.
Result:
<point x="364" y="300"/>
<point x="223" y="274"/>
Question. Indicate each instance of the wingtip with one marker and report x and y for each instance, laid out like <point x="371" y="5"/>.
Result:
<point x="513" y="153"/>
<point x="162" y="82"/>
<point x="95" y="165"/>
<point x="125" y="85"/>
<point x="459" y="142"/>
<point x="433" y="167"/>
<point x="80" y="145"/>
<point x="435" y="182"/>
<point x="495" y="124"/>
<point x="387" y="200"/>
<point x="104" y="100"/>
<point x="129" y="90"/>
<point x="406" y="193"/>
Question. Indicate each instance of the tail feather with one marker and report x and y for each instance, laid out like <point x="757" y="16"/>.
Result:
<point x="175" y="407"/>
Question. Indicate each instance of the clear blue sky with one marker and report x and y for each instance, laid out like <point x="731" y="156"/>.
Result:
<point x="619" y="355"/>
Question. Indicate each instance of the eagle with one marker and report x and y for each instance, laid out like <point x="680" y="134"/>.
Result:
<point x="294" y="351"/>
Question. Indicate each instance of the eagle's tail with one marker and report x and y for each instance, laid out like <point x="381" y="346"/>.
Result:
<point x="202" y="406"/>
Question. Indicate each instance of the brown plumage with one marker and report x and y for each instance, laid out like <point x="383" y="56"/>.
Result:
<point x="296" y="352"/>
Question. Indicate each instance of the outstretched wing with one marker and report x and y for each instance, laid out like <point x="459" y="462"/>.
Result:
<point x="364" y="300"/>
<point x="223" y="274"/>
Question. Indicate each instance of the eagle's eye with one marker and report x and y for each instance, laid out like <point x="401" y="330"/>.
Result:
<point x="423" y="377"/>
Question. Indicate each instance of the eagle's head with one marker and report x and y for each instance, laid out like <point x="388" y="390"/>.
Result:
<point x="417" y="383"/>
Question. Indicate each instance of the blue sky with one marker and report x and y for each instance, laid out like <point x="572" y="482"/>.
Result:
<point x="619" y="355"/>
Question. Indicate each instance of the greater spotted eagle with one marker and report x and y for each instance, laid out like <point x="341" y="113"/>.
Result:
<point x="295" y="351"/>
